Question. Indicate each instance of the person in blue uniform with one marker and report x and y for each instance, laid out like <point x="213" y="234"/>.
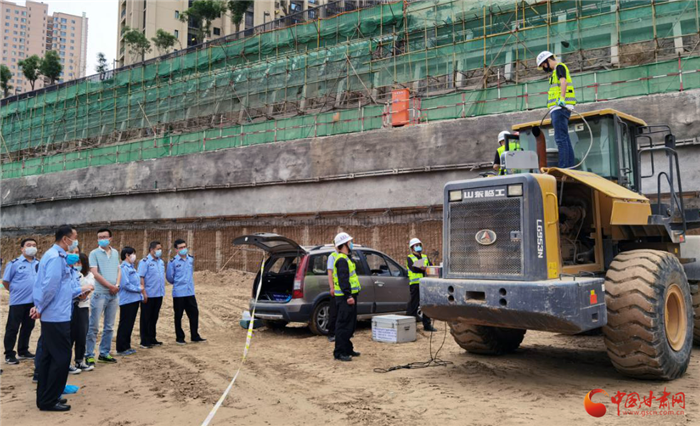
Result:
<point x="18" y="279"/>
<point x="53" y="303"/>
<point x="180" y="274"/>
<point x="152" y="272"/>
<point x="130" y="297"/>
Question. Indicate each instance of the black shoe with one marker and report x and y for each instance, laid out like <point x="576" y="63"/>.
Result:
<point x="157" y="343"/>
<point x="331" y="339"/>
<point x="62" y="401"/>
<point x="109" y="359"/>
<point x="11" y="360"/>
<point x="27" y="355"/>
<point x="35" y="378"/>
<point x="199" y="340"/>
<point x="57" y="407"/>
<point x="355" y="353"/>
<point x="430" y="328"/>
<point x="180" y="342"/>
<point x="345" y="358"/>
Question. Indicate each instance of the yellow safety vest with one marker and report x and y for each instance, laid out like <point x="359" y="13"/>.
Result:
<point x="414" y="277"/>
<point x="512" y="146"/>
<point x="555" y="89"/>
<point x="354" y="281"/>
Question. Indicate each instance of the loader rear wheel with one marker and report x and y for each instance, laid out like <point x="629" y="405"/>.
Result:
<point x="650" y="319"/>
<point x="486" y="340"/>
<point x="696" y="309"/>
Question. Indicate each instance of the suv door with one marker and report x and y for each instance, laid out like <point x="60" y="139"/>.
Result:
<point x="365" y="303"/>
<point x="390" y="282"/>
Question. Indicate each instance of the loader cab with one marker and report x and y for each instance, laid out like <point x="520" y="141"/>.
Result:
<point x="613" y="152"/>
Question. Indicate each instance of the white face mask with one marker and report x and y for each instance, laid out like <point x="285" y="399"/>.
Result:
<point x="30" y="251"/>
<point x="132" y="258"/>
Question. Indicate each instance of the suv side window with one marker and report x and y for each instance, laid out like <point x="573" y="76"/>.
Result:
<point x="381" y="266"/>
<point x="317" y="265"/>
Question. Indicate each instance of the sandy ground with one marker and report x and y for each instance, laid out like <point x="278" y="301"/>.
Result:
<point x="290" y="378"/>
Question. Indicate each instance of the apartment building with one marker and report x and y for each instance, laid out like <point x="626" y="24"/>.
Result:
<point x="150" y="15"/>
<point x="29" y="30"/>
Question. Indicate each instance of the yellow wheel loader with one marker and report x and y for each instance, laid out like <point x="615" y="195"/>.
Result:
<point x="573" y="250"/>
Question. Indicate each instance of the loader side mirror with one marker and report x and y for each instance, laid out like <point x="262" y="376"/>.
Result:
<point x="670" y="141"/>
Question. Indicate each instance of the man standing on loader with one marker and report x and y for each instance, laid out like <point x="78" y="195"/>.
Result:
<point x="561" y="101"/>
<point x="512" y="146"/>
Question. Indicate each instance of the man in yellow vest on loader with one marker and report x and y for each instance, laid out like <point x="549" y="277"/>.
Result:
<point x="512" y="146"/>
<point x="346" y="289"/>
<point x="417" y="263"/>
<point x="561" y="101"/>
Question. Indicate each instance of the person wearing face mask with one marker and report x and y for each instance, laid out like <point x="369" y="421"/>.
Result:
<point x="18" y="279"/>
<point x="180" y="274"/>
<point x="53" y="293"/>
<point x="104" y="265"/>
<point x="417" y="263"/>
<point x="81" y="314"/>
<point x="152" y="273"/>
<point x="561" y="101"/>
<point x="346" y="289"/>
<point x="130" y="297"/>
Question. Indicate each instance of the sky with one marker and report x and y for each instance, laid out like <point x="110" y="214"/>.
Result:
<point x="102" y="25"/>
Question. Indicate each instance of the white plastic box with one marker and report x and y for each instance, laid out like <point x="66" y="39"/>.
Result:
<point x="393" y="329"/>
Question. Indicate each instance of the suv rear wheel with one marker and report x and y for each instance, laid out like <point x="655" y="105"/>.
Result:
<point x="320" y="318"/>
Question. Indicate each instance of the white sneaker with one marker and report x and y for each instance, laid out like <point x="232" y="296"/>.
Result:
<point x="73" y="370"/>
<point x="82" y="365"/>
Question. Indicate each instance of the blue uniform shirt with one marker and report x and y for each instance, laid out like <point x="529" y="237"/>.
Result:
<point x="21" y="274"/>
<point x="130" y="287"/>
<point x="54" y="287"/>
<point x="179" y="274"/>
<point x="152" y="270"/>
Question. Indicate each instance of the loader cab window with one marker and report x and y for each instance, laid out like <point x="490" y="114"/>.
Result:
<point x="601" y="159"/>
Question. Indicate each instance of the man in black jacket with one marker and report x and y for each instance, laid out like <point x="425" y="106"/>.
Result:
<point x="346" y="289"/>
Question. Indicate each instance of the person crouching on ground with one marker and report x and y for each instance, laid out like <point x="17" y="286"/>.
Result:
<point x="130" y="297"/>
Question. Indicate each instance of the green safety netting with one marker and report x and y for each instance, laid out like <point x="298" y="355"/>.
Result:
<point x="379" y="47"/>
<point x="591" y="87"/>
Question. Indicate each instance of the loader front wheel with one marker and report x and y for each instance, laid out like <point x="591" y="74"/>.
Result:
<point x="649" y="334"/>
<point x="486" y="340"/>
<point x="696" y="309"/>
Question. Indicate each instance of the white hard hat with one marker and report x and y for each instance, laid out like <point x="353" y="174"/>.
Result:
<point x="543" y="56"/>
<point x="341" y="239"/>
<point x="413" y="242"/>
<point x="502" y="135"/>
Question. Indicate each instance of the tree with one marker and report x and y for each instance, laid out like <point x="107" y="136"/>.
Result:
<point x="30" y="68"/>
<point x="5" y="77"/>
<point x="102" y="66"/>
<point x="137" y="42"/>
<point x="203" y="12"/>
<point x="51" y="67"/>
<point x="164" y="41"/>
<point x="238" y="9"/>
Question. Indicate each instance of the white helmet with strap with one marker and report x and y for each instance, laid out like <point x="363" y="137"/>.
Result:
<point x="543" y="56"/>
<point x="341" y="239"/>
<point x="502" y="135"/>
<point x="413" y="242"/>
